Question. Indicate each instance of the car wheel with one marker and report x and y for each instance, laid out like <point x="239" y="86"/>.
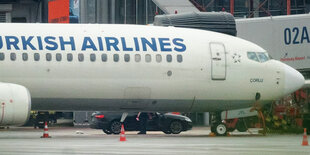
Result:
<point x="167" y="131"/>
<point x="221" y="129"/>
<point x="176" y="127"/>
<point x="115" y="127"/>
<point x="106" y="131"/>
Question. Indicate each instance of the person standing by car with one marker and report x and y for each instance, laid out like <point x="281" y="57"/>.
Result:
<point x="142" y="118"/>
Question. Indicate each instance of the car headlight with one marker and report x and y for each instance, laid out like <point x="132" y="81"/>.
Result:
<point x="188" y="120"/>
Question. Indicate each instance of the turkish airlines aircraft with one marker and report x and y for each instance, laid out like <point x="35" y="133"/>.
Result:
<point x="133" y="68"/>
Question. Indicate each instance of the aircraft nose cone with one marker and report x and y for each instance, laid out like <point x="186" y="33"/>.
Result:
<point x="293" y="80"/>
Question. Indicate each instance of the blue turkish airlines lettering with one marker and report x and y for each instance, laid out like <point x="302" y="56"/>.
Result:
<point x="52" y="43"/>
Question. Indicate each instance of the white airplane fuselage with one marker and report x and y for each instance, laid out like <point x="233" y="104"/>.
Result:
<point x="208" y="71"/>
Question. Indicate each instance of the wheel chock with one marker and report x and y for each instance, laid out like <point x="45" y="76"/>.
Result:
<point x="212" y="134"/>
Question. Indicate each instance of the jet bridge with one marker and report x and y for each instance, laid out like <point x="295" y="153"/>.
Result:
<point x="221" y="22"/>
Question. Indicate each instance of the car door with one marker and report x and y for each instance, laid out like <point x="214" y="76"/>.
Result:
<point x="153" y="123"/>
<point x="131" y="123"/>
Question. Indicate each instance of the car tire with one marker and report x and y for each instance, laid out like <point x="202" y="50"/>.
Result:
<point x="167" y="131"/>
<point x="106" y="131"/>
<point x="176" y="127"/>
<point x="115" y="127"/>
<point x="221" y="129"/>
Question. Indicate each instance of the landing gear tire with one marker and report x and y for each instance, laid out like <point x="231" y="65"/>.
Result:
<point x="221" y="129"/>
<point x="213" y="128"/>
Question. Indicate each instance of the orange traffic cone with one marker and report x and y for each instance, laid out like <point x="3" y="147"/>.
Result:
<point x="305" y="138"/>
<point x="122" y="138"/>
<point x="45" y="133"/>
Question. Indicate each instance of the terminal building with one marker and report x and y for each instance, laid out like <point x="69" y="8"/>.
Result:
<point x="143" y="12"/>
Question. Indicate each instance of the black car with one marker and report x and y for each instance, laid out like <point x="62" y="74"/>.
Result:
<point x="168" y="123"/>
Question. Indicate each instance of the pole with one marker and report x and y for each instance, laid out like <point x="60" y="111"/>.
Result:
<point x="136" y="11"/>
<point x="232" y="5"/>
<point x="112" y="11"/>
<point x="44" y="11"/>
<point x="146" y="12"/>
<point x="288" y="8"/>
<point x="125" y="15"/>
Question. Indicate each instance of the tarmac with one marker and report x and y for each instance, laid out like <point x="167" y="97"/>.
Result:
<point x="72" y="140"/>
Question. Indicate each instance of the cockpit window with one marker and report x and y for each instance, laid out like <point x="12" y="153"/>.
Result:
<point x="252" y="56"/>
<point x="258" y="56"/>
<point x="263" y="57"/>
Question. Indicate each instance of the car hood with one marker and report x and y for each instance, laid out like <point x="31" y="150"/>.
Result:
<point x="174" y="116"/>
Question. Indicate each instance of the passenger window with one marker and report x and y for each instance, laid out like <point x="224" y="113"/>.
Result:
<point x="252" y="56"/>
<point x="115" y="57"/>
<point x="69" y="57"/>
<point x="81" y="57"/>
<point x="13" y="56"/>
<point x="104" y="57"/>
<point x="92" y="57"/>
<point x="58" y="56"/>
<point x="48" y="56"/>
<point x="158" y="58"/>
<point x="137" y="57"/>
<point x="262" y="56"/>
<point x="148" y="58"/>
<point x="169" y="58"/>
<point x="25" y="56"/>
<point x="36" y="56"/>
<point x="179" y="58"/>
<point x="1" y="56"/>
<point x="127" y="58"/>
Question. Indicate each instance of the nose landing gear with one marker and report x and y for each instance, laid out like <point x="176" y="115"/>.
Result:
<point x="228" y="121"/>
<point x="217" y="126"/>
<point x="221" y="129"/>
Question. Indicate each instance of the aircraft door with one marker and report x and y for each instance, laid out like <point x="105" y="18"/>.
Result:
<point x="218" y="61"/>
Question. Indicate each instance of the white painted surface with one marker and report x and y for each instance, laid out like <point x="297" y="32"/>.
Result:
<point x="157" y="85"/>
